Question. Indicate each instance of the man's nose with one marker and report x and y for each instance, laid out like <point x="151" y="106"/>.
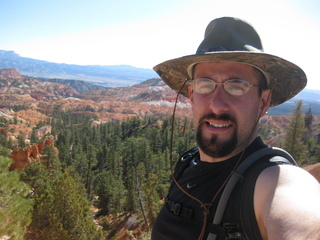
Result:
<point x="219" y="100"/>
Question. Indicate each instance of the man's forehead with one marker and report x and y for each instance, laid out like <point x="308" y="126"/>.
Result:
<point x="231" y="68"/>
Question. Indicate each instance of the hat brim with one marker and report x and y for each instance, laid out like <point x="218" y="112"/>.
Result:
<point x="285" y="79"/>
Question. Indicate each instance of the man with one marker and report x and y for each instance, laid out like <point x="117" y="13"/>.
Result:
<point x="231" y="84"/>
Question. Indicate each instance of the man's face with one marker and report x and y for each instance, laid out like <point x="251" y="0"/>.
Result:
<point x="226" y="124"/>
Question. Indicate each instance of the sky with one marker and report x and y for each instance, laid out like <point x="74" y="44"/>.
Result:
<point x="145" y="33"/>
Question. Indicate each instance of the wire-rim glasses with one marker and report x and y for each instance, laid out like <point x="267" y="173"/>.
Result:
<point x="235" y="87"/>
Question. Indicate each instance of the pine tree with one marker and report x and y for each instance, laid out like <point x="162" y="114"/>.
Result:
<point x="5" y="152"/>
<point x="115" y="163"/>
<point x="50" y="159"/>
<point x="154" y="139"/>
<point x="15" y="206"/>
<point x="80" y="163"/>
<point x="308" y="119"/>
<point x="92" y="161"/>
<point x="42" y="181"/>
<point x="33" y="138"/>
<point x="21" y="142"/>
<point x="63" y="213"/>
<point x="72" y="210"/>
<point x="131" y="184"/>
<point x="111" y="193"/>
<point x="293" y="142"/>
<point x="140" y="178"/>
<point x="314" y="151"/>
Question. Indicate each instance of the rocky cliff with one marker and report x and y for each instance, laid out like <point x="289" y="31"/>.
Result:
<point x="24" y="156"/>
<point x="14" y="86"/>
<point x="11" y="73"/>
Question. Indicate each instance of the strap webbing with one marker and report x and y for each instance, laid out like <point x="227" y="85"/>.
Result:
<point x="238" y="173"/>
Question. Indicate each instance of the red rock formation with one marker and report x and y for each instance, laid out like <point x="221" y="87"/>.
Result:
<point x="314" y="170"/>
<point x="10" y="73"/>
<point x="24" y="156"/>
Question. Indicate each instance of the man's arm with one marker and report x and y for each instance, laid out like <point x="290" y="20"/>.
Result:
<point x="287" y="204"/>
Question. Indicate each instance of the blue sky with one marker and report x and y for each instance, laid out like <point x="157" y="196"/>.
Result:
<point x="145" y="33"/>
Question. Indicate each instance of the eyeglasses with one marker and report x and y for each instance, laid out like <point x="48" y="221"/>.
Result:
<point x="234" y="87"/>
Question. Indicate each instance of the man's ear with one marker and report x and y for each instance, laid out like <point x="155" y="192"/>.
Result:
<point x="265" y="101"/>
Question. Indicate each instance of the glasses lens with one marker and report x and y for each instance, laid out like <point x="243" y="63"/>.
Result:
<point x="204" y="85"/>
<point x="236" y="87"/>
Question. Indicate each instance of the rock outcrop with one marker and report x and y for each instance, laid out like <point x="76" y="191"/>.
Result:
<point x="14" y="86"/>
<point x="24" y="156"/>
<point x="10" y="73"/>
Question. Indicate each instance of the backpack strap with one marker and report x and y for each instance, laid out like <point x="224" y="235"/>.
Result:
<point x="238" y="174"/>
<point x="184" y="162"/>
<point x="245" y="210"/>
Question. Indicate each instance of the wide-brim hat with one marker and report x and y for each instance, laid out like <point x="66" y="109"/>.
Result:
<point x="233" y="40"/>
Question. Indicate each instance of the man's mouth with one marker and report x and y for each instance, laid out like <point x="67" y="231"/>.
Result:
<point x="219" y="125"/>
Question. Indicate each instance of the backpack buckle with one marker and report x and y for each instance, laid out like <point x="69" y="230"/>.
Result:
<point x="233" y="231"/>
<point x="176" y="208"/>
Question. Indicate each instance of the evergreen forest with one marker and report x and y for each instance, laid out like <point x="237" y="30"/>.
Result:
<point x="116" y="167"/>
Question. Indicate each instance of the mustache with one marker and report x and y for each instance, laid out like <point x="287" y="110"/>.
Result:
<point x="221" y="117"/>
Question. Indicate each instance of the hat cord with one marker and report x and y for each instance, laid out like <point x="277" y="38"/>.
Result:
<point x="205" y="206"/>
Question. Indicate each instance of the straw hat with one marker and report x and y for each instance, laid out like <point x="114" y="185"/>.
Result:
<point x="233" y="40"/>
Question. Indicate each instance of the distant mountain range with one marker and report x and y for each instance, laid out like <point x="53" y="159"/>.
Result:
<point x="108" y="76"/>
<point x="103" y="77"/>
<point x="80" y="86"/>
<point x="310" y="98"/>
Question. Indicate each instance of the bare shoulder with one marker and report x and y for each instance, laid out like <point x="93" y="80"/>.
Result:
<point x="288" y="175"/>
<point x="287" y="203"/>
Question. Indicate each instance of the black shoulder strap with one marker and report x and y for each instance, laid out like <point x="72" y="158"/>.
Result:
<point x="183" y="163"/>
<point x="238" y="173"/>
<point x="245" y="207"/>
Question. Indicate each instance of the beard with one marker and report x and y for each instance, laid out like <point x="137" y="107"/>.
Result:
<point x="212" y="146"/>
